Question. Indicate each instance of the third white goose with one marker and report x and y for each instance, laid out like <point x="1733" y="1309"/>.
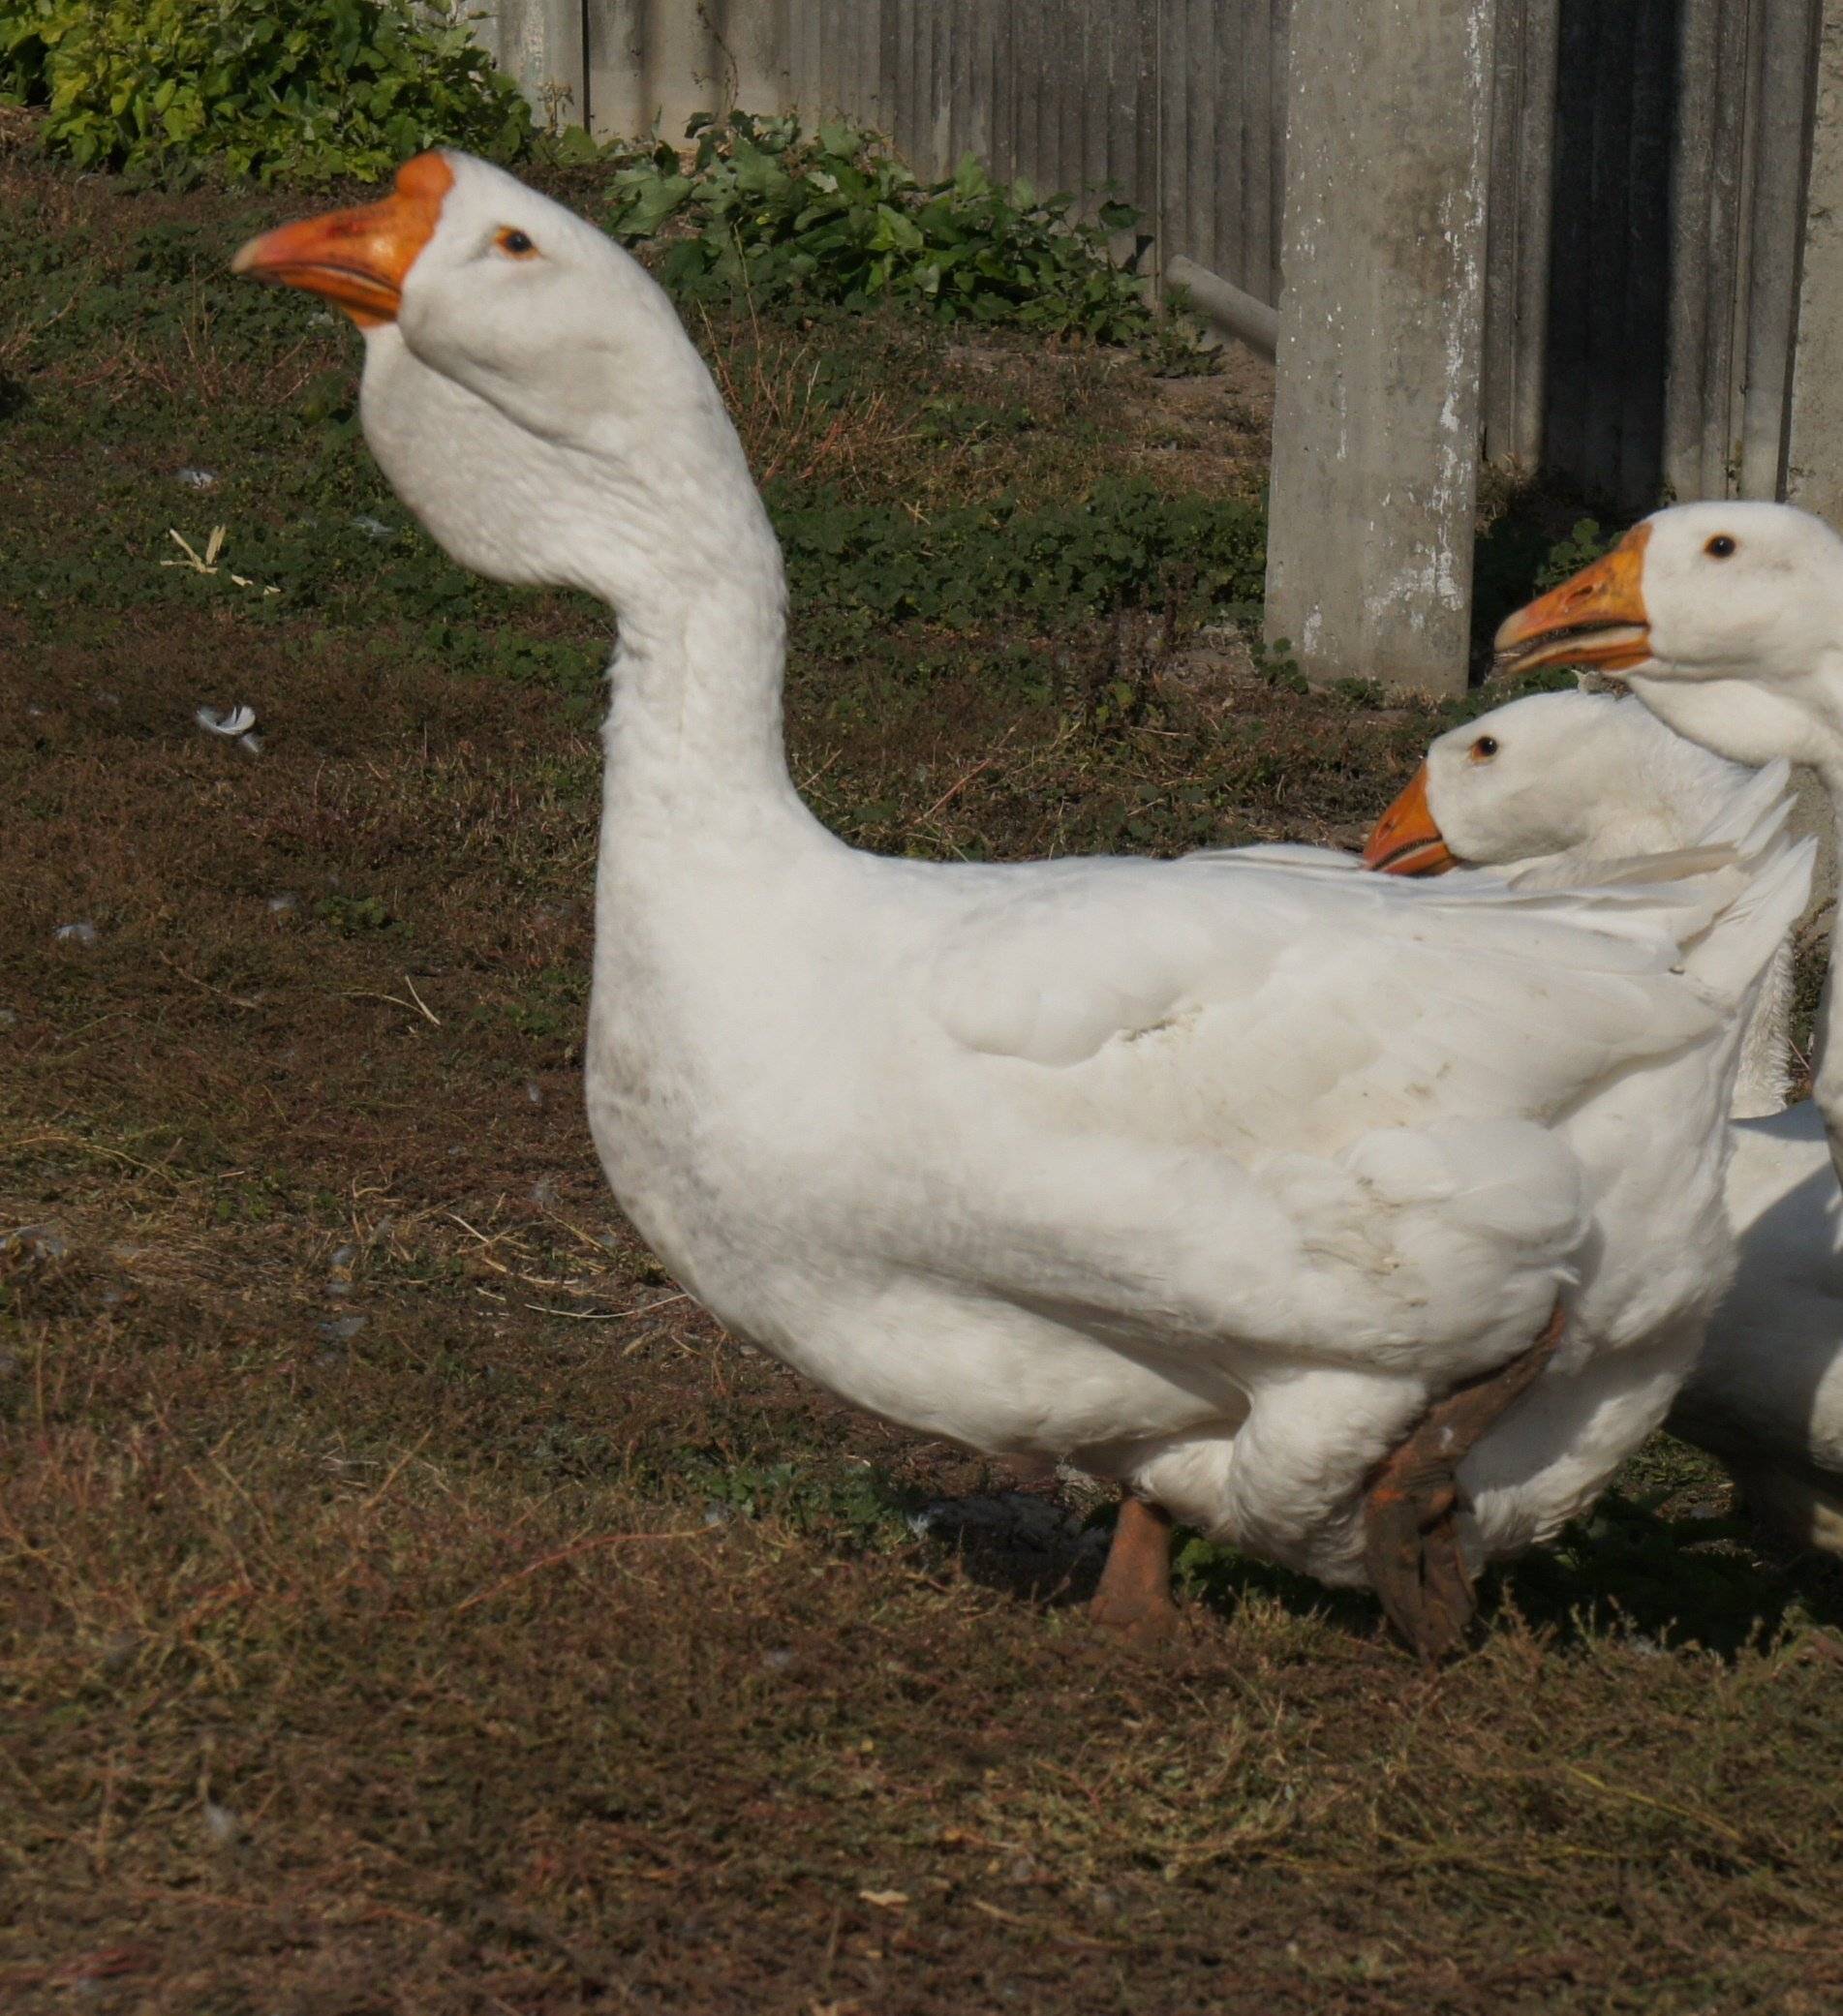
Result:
<point x="1725" y="620"/>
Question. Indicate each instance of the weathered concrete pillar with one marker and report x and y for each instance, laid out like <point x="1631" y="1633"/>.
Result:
<point x="1376" y="422"/>
<point x="1814" y="430"/>
<point x="1813" y="458"/>
<point x="539" y="43"/>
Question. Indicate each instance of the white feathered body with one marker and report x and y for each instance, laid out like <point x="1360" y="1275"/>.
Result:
<point x="1766" y="1392"/>
<point x="1206" y="1175"/>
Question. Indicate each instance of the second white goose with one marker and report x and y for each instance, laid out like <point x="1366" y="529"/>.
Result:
<point x="1560" y="785"/>
<point x="1557" y="783"/>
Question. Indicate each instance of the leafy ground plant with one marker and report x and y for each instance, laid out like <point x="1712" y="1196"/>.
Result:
<point x="1124" y="542"/>
<point x="307" y="88"/>
<point x="766" y="208"/>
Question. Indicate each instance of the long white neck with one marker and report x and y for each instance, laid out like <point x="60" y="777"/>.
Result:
<point x="1752" y="717"/>
<point x="647" y="505"/>
<point x="1685" y="785"/>
<point x="694" y="735"/>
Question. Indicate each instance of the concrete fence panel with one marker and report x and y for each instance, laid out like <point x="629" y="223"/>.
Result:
<point x="1660" y="315"/>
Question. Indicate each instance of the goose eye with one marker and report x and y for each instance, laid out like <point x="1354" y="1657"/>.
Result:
<point x="515" y="243"/>
<point x="1719" y="548"/>
<point x="1484" y="748"/>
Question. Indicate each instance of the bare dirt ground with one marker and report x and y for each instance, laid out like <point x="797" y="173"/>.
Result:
<point x="408" y="1601"/>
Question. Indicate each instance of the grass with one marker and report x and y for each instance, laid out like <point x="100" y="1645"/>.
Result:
<point x="408" y="1601"/>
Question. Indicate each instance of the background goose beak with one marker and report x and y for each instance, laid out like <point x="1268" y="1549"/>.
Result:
<point x="357" y="258"/>
<point x="1407" y="841"/>
<point x="1596" y="618"/>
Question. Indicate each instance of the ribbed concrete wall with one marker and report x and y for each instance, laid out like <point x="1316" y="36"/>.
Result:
<point x="1649" y="163"/>
<point x="1181" y="103"/>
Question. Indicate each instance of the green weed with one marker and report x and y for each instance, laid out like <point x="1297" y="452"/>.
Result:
<point x="856" y="1505"/>
<point x="349" y="915"/>
<point x="768" y="210"/>
<point x="1584" y="543"/>
<point x="1126" y="542"/>
<point x="311" y="90"/>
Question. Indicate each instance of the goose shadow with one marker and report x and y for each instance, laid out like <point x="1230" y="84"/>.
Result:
<point x="1630" y="1571"/>
<point x="1044" y="1550"/>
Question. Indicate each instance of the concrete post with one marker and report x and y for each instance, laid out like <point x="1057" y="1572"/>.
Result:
<point x="1376" y="415"/>
<point x="1814" y="460"/>
<point x="539" y="43"/>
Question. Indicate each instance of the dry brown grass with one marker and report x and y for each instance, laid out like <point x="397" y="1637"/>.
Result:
<point x="18" y="129"/>
<point x="771" y="379"/>
<point x="187" y="370"/>
<point x="409" y="1604"/>
<point x="400" y="1670"/>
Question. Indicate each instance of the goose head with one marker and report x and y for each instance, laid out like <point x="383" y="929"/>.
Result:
<point x="528" y="388"/>
<point x="1726" y="619"/>
<point x="1554" y="774"/>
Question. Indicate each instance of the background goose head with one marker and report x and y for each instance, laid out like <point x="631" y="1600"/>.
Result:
<point x="527" y="388"/>
<point x="1562" y="786"/>
<point x="1554" y="774"/>
<point x="1725" y="618"/>
<point x="1566" y="778"/>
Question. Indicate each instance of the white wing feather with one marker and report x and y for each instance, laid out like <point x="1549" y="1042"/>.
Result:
<point x="1315" y="1111"/>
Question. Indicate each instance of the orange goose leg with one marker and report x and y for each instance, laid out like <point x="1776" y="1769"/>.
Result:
<point x="1411" y="1504"/>
<point x="1134" y="1599"/>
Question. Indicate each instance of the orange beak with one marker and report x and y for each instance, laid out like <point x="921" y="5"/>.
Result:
<point x="357" y="258"/>
<point x="1596" y="618"/>
<point x="1406" y="841"/>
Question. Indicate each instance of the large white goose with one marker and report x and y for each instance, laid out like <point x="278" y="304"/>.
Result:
<point x="1559" y="785"/>
<point x="1726" y="619"/>
<point x="1248" y="1185"/>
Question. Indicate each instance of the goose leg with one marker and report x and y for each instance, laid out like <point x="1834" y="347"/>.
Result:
<point x="1134" y="1599"/>
<point x="1410" y="1507"/>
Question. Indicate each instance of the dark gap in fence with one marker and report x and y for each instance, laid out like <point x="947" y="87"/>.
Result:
<point x="1610" y="247"/>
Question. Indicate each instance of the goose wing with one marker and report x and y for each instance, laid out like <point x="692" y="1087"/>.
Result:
<point x="1318" y="1112"/>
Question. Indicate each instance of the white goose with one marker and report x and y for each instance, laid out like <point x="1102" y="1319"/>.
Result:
<point x="1560" y="784"/>
<point x="1557" y="783"/>
<point x="1245" y="1184"/>
<point x="1726" y="619"/>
